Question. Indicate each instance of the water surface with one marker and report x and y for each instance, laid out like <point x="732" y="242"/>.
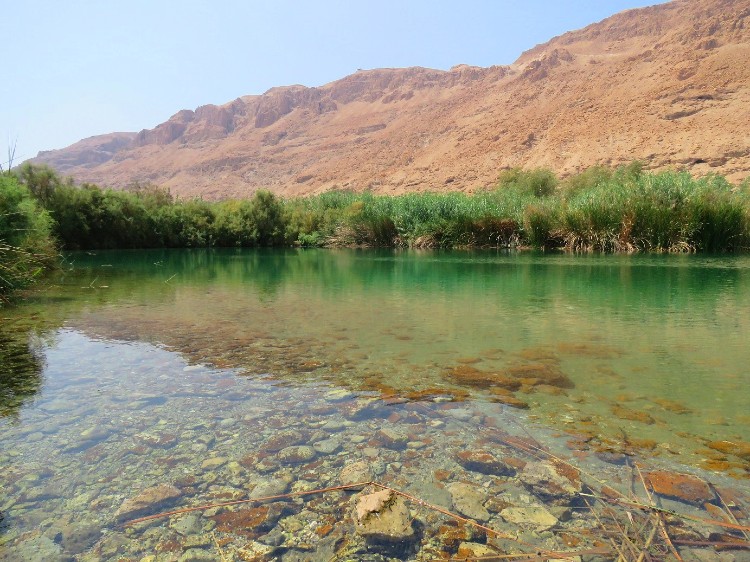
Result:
<point x="136" y="368"/>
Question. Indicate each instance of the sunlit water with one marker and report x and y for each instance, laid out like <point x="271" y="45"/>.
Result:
<point x="136" y="368"/>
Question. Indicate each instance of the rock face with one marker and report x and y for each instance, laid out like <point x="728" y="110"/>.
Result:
<point x="383" y="517"/>
<point x="669" y="85"/>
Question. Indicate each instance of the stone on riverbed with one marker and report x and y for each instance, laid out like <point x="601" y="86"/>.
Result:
<point x="392" y="439"/>
<point x="327" y="446"/>
<point x="484" y="462"/>
<point x="681" y="487"/>
<point x="537" y="516"/>
<point x="147" y="501"/>
<point x="355" y="473"/>
<point x="548" y="484"/>
<point x="383" y="517"/>
<point x="470" y="550"/>
<point x="213" y="462"/>
<point x="469" y="501"/>
<point x="283" y="439"/>
<point x="270" y="487"/>
<point x="296" y="455"/>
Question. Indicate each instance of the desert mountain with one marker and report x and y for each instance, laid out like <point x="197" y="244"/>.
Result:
<point x="668" y="85"/>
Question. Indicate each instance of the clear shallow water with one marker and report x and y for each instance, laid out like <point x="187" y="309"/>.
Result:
<point x="142" y="366"/>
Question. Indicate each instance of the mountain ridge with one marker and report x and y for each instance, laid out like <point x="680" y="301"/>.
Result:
<point x="668" y="85"/>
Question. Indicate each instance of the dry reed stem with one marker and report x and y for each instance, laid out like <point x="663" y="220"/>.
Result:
<point x="646" y="546"/>
<point x="730" y="515"/>
<point x="237" y="502"/>
<point x="621" y="554"/>
<point x="724" y="544"/>
<point x="410" y="497"/>
<point x="662" y="524"/>
<point x="218" y="547"/>
<point x="658" y="509"/>
<point x="527" y="557"/>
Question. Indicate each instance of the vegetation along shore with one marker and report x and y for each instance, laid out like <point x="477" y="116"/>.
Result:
<point x="601" y="210"/>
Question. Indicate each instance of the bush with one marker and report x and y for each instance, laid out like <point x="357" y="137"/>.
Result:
<point x="26" y="246"/>
<point x="539" y="182"/>
<point x="600" y="209"/>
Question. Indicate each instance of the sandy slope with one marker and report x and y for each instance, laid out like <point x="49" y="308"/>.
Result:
<point x="669" y="85"/>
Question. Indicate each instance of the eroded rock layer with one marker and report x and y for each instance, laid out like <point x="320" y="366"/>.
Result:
<point x="668" y="85"/>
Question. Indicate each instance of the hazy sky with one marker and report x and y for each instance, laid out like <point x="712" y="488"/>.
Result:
<point x="77" y="68"/>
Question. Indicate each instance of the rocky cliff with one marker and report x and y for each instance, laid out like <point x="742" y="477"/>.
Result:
<point x="668" y="85"/>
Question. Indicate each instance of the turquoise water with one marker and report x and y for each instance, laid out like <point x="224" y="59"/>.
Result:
<point x="134" y="368"/>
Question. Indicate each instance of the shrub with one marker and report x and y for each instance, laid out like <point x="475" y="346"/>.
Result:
<point x="539" y="182"/>
<point x="26" y="246"/>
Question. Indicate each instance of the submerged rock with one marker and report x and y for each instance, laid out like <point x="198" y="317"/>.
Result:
<point x="40" y="548"/>
<point x="270" y="487"/>
<point x="469" y="501"/>
<point x="355" y="472"/>
<point x="548" y="484"/>
<point x="383" y="517"/>
<point x="536" y="516"/>
<point x="392" y="439"/>
<point x="147" y="501"/>
<point x="296" y="455"/>
<point x="475" y="550"/>
<point x="213" y="463"/>
<point x="484" y="463"/>
<point x="284" y="439"/>
<point x="187" y="525"/>
<point x="681" y="487"/>
<point x="327" y="446"/>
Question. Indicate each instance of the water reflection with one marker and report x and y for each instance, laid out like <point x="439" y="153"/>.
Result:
<point x="21" y="367"/>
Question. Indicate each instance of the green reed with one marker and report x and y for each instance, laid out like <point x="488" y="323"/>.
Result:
<point x="600" y="209"/>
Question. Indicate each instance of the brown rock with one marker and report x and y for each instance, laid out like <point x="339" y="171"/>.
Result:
<point x="250" y="521"/>
<point x="484" y="462"/>
<point x="548" y="484"/>
<point x="682" y="487"/>
<point x="283" y="439"/>
<point x="737" y="448"/>
<point x="581" y="85"/>
<point x="452" y="534"/>
<point x="392" y="439"/>
<point x="148" y="501"/>
<point x="383" y="517"/>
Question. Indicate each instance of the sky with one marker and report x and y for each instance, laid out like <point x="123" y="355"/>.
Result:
<point x="80" y="68"/>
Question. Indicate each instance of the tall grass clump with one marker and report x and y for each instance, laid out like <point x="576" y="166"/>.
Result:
<point x="26" y="246"/>
<point x="600" y="209"/>
<point x="662" y="212"/>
